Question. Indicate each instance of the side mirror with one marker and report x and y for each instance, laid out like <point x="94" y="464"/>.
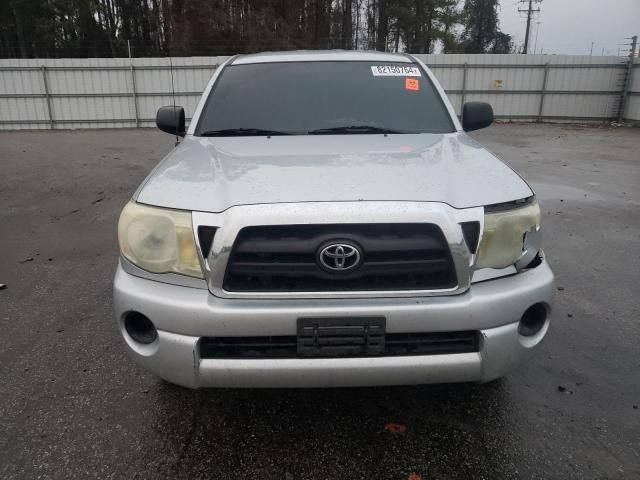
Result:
<point x="170" y="119"/>
<point x="476" y="115"/>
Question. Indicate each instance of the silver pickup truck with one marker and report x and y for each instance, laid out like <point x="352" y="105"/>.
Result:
<point x="326" y="221"/>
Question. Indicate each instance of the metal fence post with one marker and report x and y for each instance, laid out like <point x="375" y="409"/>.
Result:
<point x="134" y="95"/>
<point x="544" y="90"/>
<point x="43" y="69"/>
<point x="464" y="85"/>
<point x="626" y="87"/>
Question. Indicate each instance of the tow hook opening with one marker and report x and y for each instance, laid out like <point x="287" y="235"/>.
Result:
<point x="140" y="328"/>
<point x="533" y="320"/>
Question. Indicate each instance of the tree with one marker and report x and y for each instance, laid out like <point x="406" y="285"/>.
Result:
<point x="481" y="33"/>
<point x="347" y="25"/>
<point x="82" y="28"/>
<point x="502" y="44"/>
<point x="450" y="17"/>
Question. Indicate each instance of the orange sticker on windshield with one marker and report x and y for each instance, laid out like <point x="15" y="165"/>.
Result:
<point x="412" y="84"/>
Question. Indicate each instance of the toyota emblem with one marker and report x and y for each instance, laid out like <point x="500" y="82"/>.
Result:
<point x="339" y="257"/>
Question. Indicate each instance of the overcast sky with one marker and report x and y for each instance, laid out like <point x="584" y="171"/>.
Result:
<point x="569" y="26"/>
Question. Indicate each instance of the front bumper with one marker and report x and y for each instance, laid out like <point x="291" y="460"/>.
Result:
<point x="182" y="315"/>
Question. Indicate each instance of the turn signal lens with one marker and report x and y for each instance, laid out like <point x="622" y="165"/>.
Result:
<point x="158" y="240"/>
<point x="504" y="233"/>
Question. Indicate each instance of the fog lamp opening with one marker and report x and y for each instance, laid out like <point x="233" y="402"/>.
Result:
<point x="533" y="320"/>
<point x="140" y="328"/>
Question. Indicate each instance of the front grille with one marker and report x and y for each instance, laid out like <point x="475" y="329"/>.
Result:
<point x="284" y="258"/>
<point x="205" y="238"/>
<point x="395" y="344"/>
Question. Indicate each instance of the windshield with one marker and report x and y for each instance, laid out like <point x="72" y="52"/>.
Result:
<point x="301" y="98"/>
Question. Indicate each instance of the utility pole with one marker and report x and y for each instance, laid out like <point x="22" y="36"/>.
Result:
<point x="535" y="43"/>
<point x="529" y="11"/>
<point x="591" y="51"/>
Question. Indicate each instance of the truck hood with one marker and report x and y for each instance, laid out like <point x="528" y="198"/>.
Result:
<point x="214" y="174"/>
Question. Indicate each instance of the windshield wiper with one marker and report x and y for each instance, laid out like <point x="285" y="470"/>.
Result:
<point x="237" y="132"/>
<point x="353" y="129"/>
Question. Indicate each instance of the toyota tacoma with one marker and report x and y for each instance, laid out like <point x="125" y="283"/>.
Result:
<point x="326" y="221"/>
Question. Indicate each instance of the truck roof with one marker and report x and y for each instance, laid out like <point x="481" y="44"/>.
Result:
<point x="321" y="56"/>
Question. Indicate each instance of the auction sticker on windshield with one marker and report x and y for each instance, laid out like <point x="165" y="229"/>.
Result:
<point x="412" y="84"/>
<point x="395" y="71"/>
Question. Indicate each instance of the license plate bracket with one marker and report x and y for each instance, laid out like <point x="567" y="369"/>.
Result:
<point x="341" y="337"/>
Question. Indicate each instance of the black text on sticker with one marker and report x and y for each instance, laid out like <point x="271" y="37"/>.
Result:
<point x="395" y="71"/>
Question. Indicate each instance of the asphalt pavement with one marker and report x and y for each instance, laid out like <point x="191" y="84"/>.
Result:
<point x="72" y="404"/>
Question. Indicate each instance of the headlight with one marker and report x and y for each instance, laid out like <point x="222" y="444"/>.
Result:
<point x="503" y="239"/>
<point x="158" y="240"/>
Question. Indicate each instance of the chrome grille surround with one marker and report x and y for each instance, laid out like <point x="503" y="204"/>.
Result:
<point x="231" y="221"/>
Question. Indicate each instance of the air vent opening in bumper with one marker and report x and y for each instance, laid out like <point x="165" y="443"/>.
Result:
<point x="395" y="344"/>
